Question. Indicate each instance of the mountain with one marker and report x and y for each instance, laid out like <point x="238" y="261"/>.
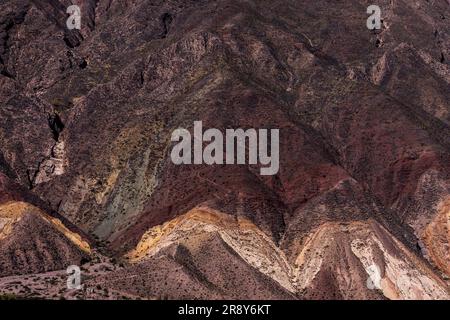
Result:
<point x="33" y="241"/>
<point x="359" y="208"/>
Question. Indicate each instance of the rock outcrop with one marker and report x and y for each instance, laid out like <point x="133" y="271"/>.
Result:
<point x="363" y="188"/>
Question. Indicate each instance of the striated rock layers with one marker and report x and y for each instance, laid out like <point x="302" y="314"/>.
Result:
<point x="360" y="207"/>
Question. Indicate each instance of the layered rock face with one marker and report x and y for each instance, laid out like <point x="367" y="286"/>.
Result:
<point x="360" y="207"/>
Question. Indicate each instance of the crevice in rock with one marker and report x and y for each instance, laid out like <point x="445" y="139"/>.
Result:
<point x="6" y="73"/>
<point x="30" y="178"/>
<point x="72" y="41"/>
<point x="142" y="78"/>
<point x="5" y="39"/>
<point x="83" y="64"/>
<point x="378" y="43"/>
<point x="166" y="19"/>
<point x="32" y="174"/>
<point x="442" y="57"/>
<point x="56" y="125"/>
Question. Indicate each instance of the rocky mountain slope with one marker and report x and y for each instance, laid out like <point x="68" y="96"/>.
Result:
<point x="360" y="208"/>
